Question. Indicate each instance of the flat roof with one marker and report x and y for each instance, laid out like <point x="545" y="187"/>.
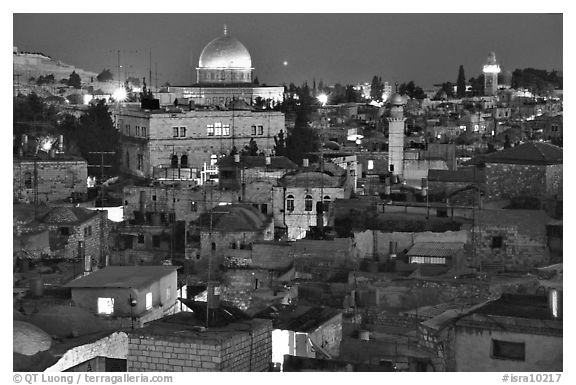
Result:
<point x="122" y="277"/>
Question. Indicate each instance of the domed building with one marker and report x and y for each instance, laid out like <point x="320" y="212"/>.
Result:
<point x="224" y="61"/>
<point x="225" y="73"/>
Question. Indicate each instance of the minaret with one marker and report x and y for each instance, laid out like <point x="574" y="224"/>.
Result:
<point x="491" y="70"/>
<point x="396" y="135"/>
<point x="225" y="30"/>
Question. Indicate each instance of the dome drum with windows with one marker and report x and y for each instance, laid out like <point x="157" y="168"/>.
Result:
<point x="224" y="61"/>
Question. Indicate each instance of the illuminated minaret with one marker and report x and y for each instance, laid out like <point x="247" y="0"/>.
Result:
<point x="396" y="135"/>
<point x="491" y="71"/>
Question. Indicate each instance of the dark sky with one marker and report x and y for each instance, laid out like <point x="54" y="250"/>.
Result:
<point x="345" y="48"/>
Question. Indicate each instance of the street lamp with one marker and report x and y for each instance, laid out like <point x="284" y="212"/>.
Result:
<point x="323" y="99"/>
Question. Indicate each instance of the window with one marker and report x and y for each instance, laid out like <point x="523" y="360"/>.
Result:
<point x="148" y="301"/>
<point x="290" y="203"/>
<point x="64" y="231"/>
<point x="140" y="158"/>
<point x="174" y="161"/>
<point x="308" y="203"/>
<point x="218" y="129"/>
<point x="193" y="206"/>
<point x="428" y="260"/>
<point x="144" y="131"/>
<point x="182" y="132"/>
<point x="105" y="305"/>
<point x="497" y="242"/>
<point x="127" y="159"/>
<point x="506" y="350"/>
<point x="155" y="241"/>
<point x="326" y="204"/>
<point x="127" y="129"/>
<point x="28" y="180"/>
<point x="87" y="231"/>
<point x="264" y="208"/>
<point x="184" y="161"/>
<point x="140" y="238"/>
<point x="171" y="217"/>
<point x="210" y="130"/>
<point x="137" y="130"/>
<point x="253" y="130"/>
<point x="213" y="245"/>
<point x="153" y="197"/>
<point x="226" y="130"/>
<point x="175" y="132"/>
<point x="260" y="130"/>
<point x="168" y="293"/>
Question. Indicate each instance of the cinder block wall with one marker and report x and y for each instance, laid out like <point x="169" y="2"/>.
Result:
<point x="230" y="350"/>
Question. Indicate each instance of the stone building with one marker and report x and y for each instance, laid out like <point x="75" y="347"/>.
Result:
<point x="514" y="333"/>
<point x="227" y="232"/>
<point x="510" y="239"/>
<point x="305" y="198"/>
<point x="182" y="343"/>
<point x="530" y="170"/>
<point x="76" y="232"/>
<point x="179" y="142"/>
<point x="127" y="295"/>
<point x="48" y="178"/>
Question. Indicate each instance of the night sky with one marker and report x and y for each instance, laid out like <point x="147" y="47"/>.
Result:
<point x="345" y="48"/>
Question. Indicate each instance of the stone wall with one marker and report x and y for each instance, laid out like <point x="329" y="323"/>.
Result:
<point x="505" y="181"/>
<point x="113" y="346"/>
<point x="238" y="351"/>
<point x="57" y="180"/>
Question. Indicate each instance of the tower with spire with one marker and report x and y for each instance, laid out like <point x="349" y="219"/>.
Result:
<point x="396" y="135"/>
<point x="491" y="70"/>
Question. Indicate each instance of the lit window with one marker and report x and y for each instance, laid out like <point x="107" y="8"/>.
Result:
<point x="308" y="203"/>
<point x="218" y="129"/>
<point x="182" y="132"/>
<point x="226" y="130"/>
<point x="193" y="206"/>
<point x="210" y="130"/>
<point x="290" y="203"/>
<point x="148" y="301"/>
<point x="105" y="305"/>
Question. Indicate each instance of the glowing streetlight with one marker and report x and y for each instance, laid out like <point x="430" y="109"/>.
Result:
<point x="120" y="94"/>
<point x="323" y="99"/>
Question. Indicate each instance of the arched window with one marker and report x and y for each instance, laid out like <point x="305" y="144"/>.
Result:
<point x="28" y="180"/>
<point x="184" y="161"/>
<point x="290" y="203"/>
<point x="174" y="161"/>
<point x="308" y="203"/>
<point x="326" y="204"/>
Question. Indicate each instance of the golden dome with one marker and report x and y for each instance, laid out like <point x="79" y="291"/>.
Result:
<point x="225" y="52"/>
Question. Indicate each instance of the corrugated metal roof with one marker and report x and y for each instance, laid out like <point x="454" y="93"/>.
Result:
<point x="435" y="249"/>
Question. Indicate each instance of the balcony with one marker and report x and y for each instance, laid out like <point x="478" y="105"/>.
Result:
<point x="174" y="173"/>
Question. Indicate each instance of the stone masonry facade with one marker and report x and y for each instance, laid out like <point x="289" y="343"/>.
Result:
<point x="228" y="350"/>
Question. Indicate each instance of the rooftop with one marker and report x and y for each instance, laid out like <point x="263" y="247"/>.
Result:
<point x="436" y="249"/>
<point x="531" y="153"/>
<point x="521" y="306"/>
<point x="276" y="162"/>
<point x="123" y="277"/>
<point x="68" y="215"/>
<point x="298" y="318"/>
<point x="235" y="217"/>
<point x="467" y="175"/>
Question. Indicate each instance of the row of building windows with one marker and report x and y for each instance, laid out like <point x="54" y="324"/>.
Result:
<point x="308" y="203"/>
<point x="218" y="129"/>
<point x="105" y="305"/>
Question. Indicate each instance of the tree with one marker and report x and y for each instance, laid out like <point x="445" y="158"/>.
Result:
<point x="477" y="85"/>
<point x="74" y="80"/>
<point x="461" y="83"/>
<point x="256" y="81"/>
<point x="280" y="144"/>
<point x="376" y="89"/>
<point x="251" y="149"/>
<point x="105" y="76"/>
